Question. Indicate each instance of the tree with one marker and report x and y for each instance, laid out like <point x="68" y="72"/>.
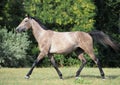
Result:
<point x="11" y="13"/>
<point x="2" y="12"/>
<point x="108" y="20"/>
<point x="63" y="15"/>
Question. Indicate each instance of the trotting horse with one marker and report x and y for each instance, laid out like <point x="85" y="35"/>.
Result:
<point x="51" y="42"/>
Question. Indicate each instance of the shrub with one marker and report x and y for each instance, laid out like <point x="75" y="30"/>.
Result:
<point x="12" y="47"/>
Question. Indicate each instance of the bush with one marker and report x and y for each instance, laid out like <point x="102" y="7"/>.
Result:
<point x="12" y="48"/>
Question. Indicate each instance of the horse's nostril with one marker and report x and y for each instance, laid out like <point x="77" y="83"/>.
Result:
<point x="17" y="30"/>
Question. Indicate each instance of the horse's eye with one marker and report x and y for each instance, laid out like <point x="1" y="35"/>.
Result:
<point x="25" y="20"/>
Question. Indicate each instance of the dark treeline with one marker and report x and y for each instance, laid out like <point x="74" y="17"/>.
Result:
<point x="65" y="15"/>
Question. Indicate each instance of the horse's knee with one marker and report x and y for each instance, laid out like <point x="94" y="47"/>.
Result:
<point x="96" y="60"/>
<point x="41" y="56"/>
<point x="84" y="61"/>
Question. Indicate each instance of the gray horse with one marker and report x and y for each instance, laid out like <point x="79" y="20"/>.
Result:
<point x="51" y="42"/>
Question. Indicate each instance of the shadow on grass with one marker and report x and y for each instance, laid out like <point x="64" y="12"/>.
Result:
<point x="112" y="76"/>
<point x="99" y="77"/>
<point x="94" y="76"/>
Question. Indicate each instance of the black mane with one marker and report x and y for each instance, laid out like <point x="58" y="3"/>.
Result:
<point x="39" y="22"/>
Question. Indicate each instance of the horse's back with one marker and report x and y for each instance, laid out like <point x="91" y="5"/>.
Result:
<point x="65" y="42"/>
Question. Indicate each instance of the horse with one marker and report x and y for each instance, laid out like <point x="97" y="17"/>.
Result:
<point x="52" y="42"/>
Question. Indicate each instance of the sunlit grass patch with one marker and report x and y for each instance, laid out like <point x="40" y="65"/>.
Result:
<point x="48" y="76"/>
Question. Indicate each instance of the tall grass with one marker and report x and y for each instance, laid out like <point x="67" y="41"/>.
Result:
<point x="48" y="76"/>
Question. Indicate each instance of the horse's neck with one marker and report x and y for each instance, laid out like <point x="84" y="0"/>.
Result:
<point x="37" y="30"/>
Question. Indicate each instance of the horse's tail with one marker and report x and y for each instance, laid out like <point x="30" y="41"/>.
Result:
<point x="104" y="39"/>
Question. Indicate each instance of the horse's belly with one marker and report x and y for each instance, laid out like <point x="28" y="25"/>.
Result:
<point x="62" y="49"/>
<point x="63" y="43"/>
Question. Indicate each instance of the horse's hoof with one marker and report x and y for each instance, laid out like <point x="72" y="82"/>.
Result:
<point x="61" y="78"/>
<point x="103" y="78"/>
<point x="27" y="77"/>
<point x="77" y="78"/>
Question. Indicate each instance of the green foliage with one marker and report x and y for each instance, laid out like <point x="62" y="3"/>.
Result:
<point x="12" y="47"/>
<point x="11" y="12"/>
<point x="60" y="60"/>
<point x="64" y="14"/>
<point x="71" y="60"/>
<point x="81" y="81"/>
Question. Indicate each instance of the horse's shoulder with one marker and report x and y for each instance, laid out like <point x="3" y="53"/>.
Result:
<point x="49" y="32"/>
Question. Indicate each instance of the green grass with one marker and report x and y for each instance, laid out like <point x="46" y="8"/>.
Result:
<point x="48" y="76"/>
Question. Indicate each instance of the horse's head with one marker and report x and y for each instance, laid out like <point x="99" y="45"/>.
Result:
<point x="24" y="25"/>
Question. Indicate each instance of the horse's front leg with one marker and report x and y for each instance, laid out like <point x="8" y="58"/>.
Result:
<point x="54" y="65"/>
<point x="39" y="58"/>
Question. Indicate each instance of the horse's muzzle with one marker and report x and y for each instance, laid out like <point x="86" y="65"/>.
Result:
<point x="20" y="29"/>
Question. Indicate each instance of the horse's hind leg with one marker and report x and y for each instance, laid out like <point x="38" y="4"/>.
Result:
<point x="96" y="60"/>
<point x="83" y="60"/>
<point x="100" y="68"/>
<point x="54" y="65"/>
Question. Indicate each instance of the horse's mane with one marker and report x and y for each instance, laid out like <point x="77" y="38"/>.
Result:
<point x="39" y="22"/>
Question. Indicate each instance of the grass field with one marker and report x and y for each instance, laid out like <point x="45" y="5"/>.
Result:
<point x="48" y="76"/>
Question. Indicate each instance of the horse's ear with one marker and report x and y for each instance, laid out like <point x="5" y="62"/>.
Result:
<point x="27" y="15"/>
